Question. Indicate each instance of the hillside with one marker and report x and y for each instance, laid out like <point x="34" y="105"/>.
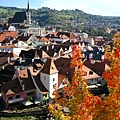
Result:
<point x="70" y="20"/>
<point x="46" y="16"/>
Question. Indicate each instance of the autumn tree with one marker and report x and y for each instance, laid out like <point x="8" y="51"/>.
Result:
<point x="83" y="105"/>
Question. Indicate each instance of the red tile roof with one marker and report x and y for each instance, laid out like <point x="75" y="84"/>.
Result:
<point x="40" y="85"/>
<point x="2" y="37"/>
<point x="10" y="33"/>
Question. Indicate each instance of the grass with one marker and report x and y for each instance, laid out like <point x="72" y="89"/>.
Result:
<point x="2" y="10"/>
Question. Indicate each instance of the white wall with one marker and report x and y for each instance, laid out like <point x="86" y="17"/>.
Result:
<point x="14" y="50"/>
<point x="91" y="41"/>
<point x="59" y="40"/>
<point x="48" y="82"/>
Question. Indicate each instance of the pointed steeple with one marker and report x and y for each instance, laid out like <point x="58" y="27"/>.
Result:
<point x="28" y="14"/>
<point x="28" y="6"/>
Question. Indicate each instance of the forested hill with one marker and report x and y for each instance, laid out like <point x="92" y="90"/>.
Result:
<point x="51" y="16"/>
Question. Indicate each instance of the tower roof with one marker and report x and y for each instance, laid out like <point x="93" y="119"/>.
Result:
<point x="28" y="6"/>
<point x="49" y="67"/>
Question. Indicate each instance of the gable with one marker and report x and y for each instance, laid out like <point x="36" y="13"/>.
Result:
<point x="9" y="92"/>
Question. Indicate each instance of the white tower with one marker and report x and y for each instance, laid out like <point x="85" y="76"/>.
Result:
<point x="49" y="76"/>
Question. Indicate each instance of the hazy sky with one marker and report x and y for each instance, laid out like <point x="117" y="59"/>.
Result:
<point x="97" y="7"/>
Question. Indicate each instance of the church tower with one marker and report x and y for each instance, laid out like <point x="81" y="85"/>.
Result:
<point x="28" y="14"/>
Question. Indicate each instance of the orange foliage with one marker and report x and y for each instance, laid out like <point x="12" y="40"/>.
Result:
<point x="81" y="103"/>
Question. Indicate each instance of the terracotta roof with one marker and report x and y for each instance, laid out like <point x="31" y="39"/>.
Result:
<point x="64" y="37"/>
<point x="90" y="74"/>
<point x="94" y="66"/>
<point x="12" y="87"/>
<point x="63" y="66"/>
<point x="9" y="46"/>
<point x="33" y="53"/>
<point x="42" y="54"/>
<point x="24" y="37"/>
<point x="33" y="72"/>
<point x="60" y="79"/>
<point x="38" y="65"/>
<point x="6" y="54"/>
<point x="10" y="33"/>
<point x="24" y="73"/>
<point x="44" y="39"/>
<point x="6" y="75"/>
<point x="52" y="49"/>
<point x="49" y="67"/>
<point x="2" y="37"/>
<point x="3" y="60"/>
<point x="40" y="85"/>
<point x="28" y="82"/>
<point x="26" y="78"/>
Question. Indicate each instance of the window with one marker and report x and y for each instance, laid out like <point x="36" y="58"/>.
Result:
<point x="53" y="79"/>
<point x="10" y="98"/>
<point x="90" y="73"/>
<point x="44" y="95"/>
<point x="17" y="96"/>
<point x="30" y="94"/>
<point x="52" y="67"/>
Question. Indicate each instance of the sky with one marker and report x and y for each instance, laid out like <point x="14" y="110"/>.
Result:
<point x="95" y="7"/>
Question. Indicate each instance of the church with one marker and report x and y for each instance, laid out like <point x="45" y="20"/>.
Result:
<point x="25" y="25"/>
<point x="21" y="18"/>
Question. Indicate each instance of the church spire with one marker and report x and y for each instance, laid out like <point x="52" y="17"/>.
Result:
<point x="28" y="14"/>
<point x="28" y="6"/>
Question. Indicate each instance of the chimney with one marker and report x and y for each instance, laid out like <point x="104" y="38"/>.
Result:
<point x="90" y="55"/>
<point x="92" y="61"/>
<point x="23" y="86"/>
<point x="18" y="69"/>
<point x="8" y="59"/>
<point x="47" y="47"/>
<point x="102" y="58"/>
<point x="11" y="42"/>
<point x="20" y="60"/>
<point x="52" y="46"/>
<point x="32" y="61"/>
<point x="3" y="67"/>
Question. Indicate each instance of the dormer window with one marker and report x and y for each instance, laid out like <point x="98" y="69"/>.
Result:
<point x="90" y="73"/>
<point x="52" y="67"/>
<point x="68" y="73"/>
